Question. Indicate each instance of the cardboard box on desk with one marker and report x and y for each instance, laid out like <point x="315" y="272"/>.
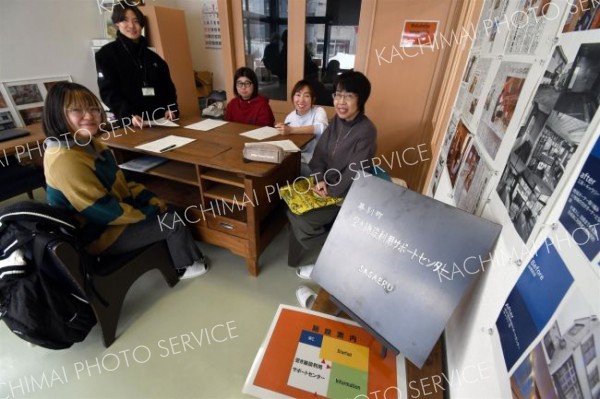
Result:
<point x="399" y="263"/>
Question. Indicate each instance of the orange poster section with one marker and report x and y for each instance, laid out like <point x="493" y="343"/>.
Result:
<point x="278" y="360"/>
<point x="418" y="33"/>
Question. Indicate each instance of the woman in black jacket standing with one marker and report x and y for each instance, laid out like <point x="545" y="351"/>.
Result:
<point x="134" y="81"/>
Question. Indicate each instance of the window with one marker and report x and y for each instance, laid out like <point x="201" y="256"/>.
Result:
<point x="330" y="43"/>
<point x="329" y="25"/>
<point x="265" y="29"/>
<point x="588" y="350"/>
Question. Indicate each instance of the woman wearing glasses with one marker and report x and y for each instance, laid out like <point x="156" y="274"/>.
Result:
<point x="82" y="176"/>
<point x="346" y="147"/>
<point x="134" y="81"/>
<point x="248" y="106"/>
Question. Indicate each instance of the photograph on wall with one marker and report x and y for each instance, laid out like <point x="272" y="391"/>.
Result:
<point x="471" y="88"/>
<point x="456" y="152"/>
<point x="472" y="180"/>
<point x="532" y="302"/>
<point x="583" y="15"/>
<point x="6" y="120"/>
<point x="500" y="104"/>
<point x="437" y="174"/>
<point x="531" y="380"/>
<point x="561" y="111"/>
<point x="32" y="115"/>
<point x="581" y="216"/>
<point x="564" y="363"/>
<point x="25" y="94"/>
<point x="307" y="354"/>
<point x="495" y="30"/>
<point x="48" y="85"/>
<point x="528" y="26"/>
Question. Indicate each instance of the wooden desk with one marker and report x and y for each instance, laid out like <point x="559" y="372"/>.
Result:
<point x="229" y="202"/>
<point x="36" y="137"/>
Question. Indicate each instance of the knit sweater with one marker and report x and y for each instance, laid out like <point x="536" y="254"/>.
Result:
<point x="86" y="181"/>
<point x="345" y="148"/>
<point x="255" y="111"/>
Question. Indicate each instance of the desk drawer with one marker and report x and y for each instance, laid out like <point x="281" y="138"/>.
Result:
<point x="228" y="225"/>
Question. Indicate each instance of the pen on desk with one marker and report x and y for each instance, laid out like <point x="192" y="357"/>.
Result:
<point x="287" y="123"/>
<point x="168" y="148"/>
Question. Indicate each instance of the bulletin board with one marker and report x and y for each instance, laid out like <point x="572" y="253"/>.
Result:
<point x="521" y="149"/>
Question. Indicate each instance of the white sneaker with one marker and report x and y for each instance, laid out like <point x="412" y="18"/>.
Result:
<point x="304" y="272"/>
<point x="196" y="269"/>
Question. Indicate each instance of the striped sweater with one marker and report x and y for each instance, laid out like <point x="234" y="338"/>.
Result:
<point x="87" y="181"/>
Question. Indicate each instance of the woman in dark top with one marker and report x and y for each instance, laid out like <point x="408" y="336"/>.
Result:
<point x="134" y="81"/>
<point x="346" y="147"/>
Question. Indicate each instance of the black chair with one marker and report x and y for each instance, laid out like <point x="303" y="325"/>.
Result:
<point x="112" y="277"/>
<point x="16" y="179"/>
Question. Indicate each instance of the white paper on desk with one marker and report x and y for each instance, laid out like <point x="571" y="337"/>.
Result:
<point x="261" y="133"/>
<point x="206" y="124"/>
<point x="285" y="145"/>
<point x="160" y="144"/>
<point x="162" y="122"/>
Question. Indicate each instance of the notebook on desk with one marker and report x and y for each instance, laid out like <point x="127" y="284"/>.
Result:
<point x="10" y="134"/>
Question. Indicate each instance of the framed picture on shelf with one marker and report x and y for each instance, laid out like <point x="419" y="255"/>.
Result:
<point x="22" y="101"/>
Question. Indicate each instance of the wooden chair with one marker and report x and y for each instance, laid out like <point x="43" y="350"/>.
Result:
<point x="112" y="277"/>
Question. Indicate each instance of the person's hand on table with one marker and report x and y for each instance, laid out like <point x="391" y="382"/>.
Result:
<point x="170" y="115"/>
<point x="283" y="128"/>
<point x="320" y="189"/>
<point x="137" y="121"/>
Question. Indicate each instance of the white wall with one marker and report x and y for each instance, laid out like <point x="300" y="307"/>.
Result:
<point x="202" y="59"/>
<point x="47" y="38"/>
<point x="41" y="38"/>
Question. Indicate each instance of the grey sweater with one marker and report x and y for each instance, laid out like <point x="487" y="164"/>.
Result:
<point x="340" y="151"/>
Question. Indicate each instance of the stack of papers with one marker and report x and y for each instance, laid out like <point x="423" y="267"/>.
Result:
<point x="165" y="144"/>
<point x="206" y="124"/>
<point x="261" y="133"/>
<point x="142" y="164"/>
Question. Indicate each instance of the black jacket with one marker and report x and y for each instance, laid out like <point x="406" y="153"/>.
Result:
<point x="123" y="66"/>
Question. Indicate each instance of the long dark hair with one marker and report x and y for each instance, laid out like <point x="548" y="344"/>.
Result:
<point x="61" y="96"/>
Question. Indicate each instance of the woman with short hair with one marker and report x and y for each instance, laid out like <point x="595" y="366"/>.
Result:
<point x="248" y="106"/>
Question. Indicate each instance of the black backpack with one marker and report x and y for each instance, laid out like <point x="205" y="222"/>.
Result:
<point x="39" y="300"/>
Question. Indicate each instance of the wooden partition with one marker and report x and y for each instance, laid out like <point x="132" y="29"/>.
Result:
<point x="167" y="32"/>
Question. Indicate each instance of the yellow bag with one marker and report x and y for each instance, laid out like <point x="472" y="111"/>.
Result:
<point x="301" y="199"/>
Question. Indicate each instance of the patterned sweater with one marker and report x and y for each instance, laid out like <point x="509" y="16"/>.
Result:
<point x="87" y="181"/>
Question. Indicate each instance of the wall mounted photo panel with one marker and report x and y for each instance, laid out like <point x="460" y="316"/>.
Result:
<point x="456" y="152"/>
<point x="581" y="214"/>
<point x="25" y="94"/>
<point x="532" y="302"/>
<point x="583" y="15"/>
<point x="562" y="109"/>
<point x="500" y="104"/>
<point x="472" y="181"/>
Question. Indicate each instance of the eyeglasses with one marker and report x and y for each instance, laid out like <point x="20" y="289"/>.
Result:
<point x="241" y="84"/>
<point x="80" y="112"/>
<point x="338" y="96"/>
